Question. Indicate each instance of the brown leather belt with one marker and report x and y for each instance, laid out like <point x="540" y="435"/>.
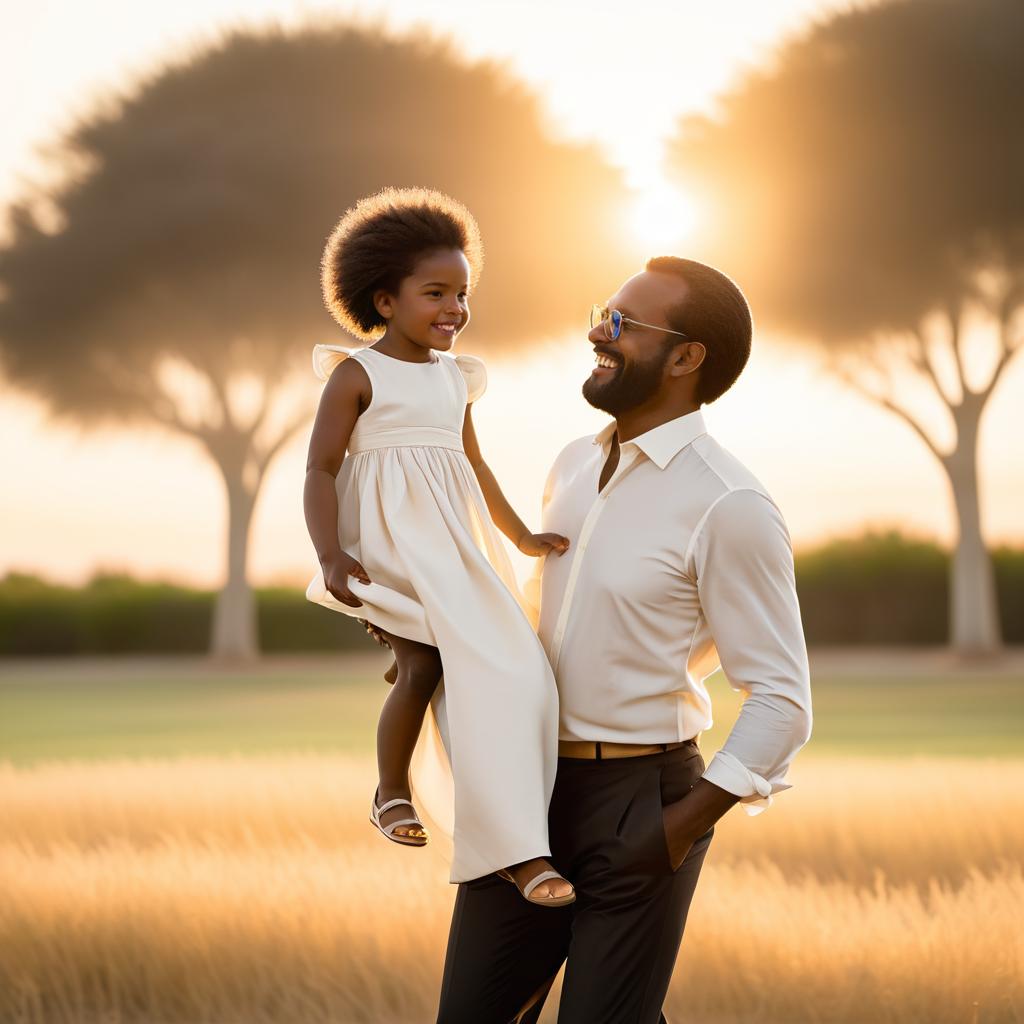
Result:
<point x="601" y="751"/>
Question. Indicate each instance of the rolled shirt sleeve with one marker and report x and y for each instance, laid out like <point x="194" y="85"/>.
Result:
<point x="743" y="560"/>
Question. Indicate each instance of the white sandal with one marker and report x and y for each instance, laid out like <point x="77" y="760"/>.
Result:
<point x="544" y="876"/>
<point x="389" y="829"/>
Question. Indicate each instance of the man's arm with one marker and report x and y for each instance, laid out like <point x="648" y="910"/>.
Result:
<point x="743" y="562"/>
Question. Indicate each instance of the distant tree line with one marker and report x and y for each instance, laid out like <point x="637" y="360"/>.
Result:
<point x="881" y="588"/>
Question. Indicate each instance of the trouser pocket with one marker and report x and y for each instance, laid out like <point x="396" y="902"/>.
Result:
<point x="677" y="775"/>
<point x="650" y="783"/>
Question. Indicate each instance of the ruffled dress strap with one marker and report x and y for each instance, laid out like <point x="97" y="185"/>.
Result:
<point x="327" y="357"/>
<point x="474" y="373"/>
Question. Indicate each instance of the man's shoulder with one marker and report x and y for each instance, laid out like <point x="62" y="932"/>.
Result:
<point x="734" y="503"/>
<point x="575" y="452"/>
<point x="722" y="472"/>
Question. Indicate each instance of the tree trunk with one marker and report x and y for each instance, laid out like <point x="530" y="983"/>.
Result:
<point x="973" y="604"/>
<point x="235" y="634"/>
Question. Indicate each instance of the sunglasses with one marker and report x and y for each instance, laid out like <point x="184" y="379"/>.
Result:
<point x="613" y="321"/>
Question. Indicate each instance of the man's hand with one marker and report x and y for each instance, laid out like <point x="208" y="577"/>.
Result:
<point x="686" y="820"/>
<point x="537" y="544"/>
<point x="681" y="832"/>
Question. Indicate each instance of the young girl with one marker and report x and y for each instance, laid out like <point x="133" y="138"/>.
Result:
<point x="408" y="516"/>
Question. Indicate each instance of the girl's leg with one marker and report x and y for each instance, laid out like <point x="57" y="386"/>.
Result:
<point x="419" y="670"/>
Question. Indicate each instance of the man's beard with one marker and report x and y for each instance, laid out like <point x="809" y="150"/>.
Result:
<point x="628" y="387"/>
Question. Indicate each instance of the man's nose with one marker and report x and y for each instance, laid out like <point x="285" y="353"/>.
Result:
<point x="597" y="335"/>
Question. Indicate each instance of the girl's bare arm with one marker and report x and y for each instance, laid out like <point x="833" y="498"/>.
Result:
<point x="502" y="513"/>
<point x="345" y="395"/>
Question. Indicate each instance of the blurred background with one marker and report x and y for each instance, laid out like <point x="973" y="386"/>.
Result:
<point x="186" y="743"/>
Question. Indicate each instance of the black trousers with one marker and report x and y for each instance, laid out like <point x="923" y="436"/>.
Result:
<point x="621" y="936"/>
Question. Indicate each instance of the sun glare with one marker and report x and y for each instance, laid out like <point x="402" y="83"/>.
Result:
<point x="661" y="217"/>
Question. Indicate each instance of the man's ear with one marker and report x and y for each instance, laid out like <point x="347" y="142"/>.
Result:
<point x="384" y="304"/>
<point x="689" y="357"/>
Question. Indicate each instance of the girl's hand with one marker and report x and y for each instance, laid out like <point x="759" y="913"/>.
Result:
<point x="537" y="544"/>
<point x="336" y="574"/>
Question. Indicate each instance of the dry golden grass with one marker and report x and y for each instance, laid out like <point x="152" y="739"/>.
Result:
<point x="252" y="890"/>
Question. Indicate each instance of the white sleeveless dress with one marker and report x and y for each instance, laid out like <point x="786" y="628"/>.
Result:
<point x="411" y="511"/>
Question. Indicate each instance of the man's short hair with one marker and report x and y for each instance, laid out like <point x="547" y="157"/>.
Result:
<point x="379" y="241"/>
<point x="716" y="314"/>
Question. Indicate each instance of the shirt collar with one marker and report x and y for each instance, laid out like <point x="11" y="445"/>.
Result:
<point x="662" y="443"/>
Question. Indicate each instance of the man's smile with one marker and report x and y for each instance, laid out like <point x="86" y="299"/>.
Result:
<point x="606" y="364"/>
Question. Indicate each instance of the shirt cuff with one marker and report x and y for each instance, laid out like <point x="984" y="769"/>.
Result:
<point x="729" y="773"/>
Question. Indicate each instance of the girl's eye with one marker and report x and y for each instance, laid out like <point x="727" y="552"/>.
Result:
<point x="435" y="293"/>
<point x="463" y="296"/>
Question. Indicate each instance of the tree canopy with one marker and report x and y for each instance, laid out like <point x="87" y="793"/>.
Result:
<point x="873" y="169"/>
<point x="194" y="224"/>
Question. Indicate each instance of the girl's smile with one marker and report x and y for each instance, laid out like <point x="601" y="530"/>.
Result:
<point x="432" y="304"/>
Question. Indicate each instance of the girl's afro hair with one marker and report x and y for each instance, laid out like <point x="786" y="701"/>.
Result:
<point x="377" y="244"/>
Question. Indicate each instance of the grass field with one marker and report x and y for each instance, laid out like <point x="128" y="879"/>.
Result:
<point x="182" y="845"/>
<point x="154" y="708"/>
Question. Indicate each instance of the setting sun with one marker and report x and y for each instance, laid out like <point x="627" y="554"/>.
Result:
<point x="661" y="217"/>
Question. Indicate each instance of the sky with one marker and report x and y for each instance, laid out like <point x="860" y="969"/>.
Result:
<point x="618" y="74"/>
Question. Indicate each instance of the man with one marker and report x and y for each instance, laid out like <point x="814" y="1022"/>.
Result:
<point x="679" y="561"/>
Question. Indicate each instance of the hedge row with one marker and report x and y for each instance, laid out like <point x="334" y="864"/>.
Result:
<point x="877" y="589"/>
<point x="114" y="614"/>
<point x="886" y="589"/>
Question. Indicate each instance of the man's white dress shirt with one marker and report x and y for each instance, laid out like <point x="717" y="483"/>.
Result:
<point x="681" y="563"/>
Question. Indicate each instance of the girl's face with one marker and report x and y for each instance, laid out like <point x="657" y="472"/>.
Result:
<point x="432" y="305"/>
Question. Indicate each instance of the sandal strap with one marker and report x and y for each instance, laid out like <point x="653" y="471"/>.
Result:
<point x="544" y="876"/>
<point x="391" y="803"/>
<point x="389" y="829"/>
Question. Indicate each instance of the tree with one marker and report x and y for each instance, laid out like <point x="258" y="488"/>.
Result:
<point x="172" y="277"/>
<point x="866" y="190"/>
